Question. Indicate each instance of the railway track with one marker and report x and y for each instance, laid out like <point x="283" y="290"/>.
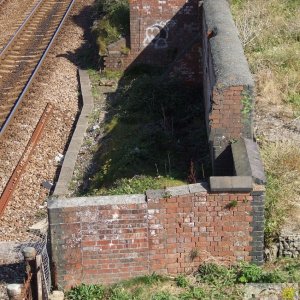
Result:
<point x="23" y="55"/>
<point x="14" y="179"/>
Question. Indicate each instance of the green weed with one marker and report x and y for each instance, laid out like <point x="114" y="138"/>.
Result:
<point x="212" y="282"/>
<point x="194" y="293"/>
<point x="146" y="280"/>
<point x="270" y="33"/>
<point x="113" y="23"/>
<point x="150" y="136"/>
<point x="163" y="296"/>
<point x="84" y="292"/>
<point x="119" y="293"/>
<point x="249" y="273"/>
<point x="181" y="281"/>
<point x="231" y="204"/>
<point x="288" y="293"/>
<point x="216" y="274"/>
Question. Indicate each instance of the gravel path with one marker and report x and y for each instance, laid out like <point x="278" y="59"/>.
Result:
<point x="57" y="83"/>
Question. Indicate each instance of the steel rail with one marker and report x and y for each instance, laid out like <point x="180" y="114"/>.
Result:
<point x="16" y="175"/>
<point x="16" y="34"/>
<point x="34" y="73"/>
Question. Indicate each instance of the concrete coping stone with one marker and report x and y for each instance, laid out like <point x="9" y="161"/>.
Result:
<point x="247" y="160"/>
<point x="54" y="203"/>
<point x="231" y="184"/>
<point x="69" y="162"/>
<point x="229" y="62"/>
<point x="62" y="202"/>
<point x="177" y="191"/>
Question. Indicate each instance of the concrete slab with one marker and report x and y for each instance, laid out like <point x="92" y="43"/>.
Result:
<point x="231" y="184"/>
<point x="68" y="165"/>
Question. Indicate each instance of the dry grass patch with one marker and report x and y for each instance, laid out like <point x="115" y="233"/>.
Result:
<point x="270" y="33"/>
<point x="282" y="165"/>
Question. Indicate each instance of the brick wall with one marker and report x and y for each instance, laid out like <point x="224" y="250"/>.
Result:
<point x="163" y="33"/>
<point x="106" y="239"/>
<point x="227" y="84"/>
<point x="197" y="44"/>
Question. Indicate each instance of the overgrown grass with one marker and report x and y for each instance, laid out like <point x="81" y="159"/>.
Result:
<point x="113" y="22"/>
<point x="282" y="164"/>
<point x="210" y="282"/>
<point x="270" y="33"/>
<point x="152" y="138"/>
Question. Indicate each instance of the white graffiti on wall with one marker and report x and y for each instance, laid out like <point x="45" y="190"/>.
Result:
<point x="158" y="34"/>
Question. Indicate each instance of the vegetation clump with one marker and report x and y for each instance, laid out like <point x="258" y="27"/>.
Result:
<point x="150" y="135"/>
<point x="112" y="23"/>
<point x="270" y="33"/>
<point x="282" y="164"/>
<point x="212" y="281"/>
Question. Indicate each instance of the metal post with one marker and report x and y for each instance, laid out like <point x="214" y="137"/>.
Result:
<point x="29" y="254"/>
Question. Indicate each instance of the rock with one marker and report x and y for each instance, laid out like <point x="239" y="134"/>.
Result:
<point x="47" y="185"/>
<point x="40" y="227"/>
<point x="268" y="291"/>
<point x="272" y="252"/>
<point x="57" y="295"/>
<point x="59" y="158"/>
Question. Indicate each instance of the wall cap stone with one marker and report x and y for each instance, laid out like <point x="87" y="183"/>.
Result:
<point x="247" y="160"/>
<point x="54" y="203"/>
<point x="229" y="62"/>
<point x="231" y="184"/>
<point x="177" y="191"/>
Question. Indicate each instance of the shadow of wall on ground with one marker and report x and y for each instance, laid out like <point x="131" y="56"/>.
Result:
<point x="154" y="123"/>
<point x="85" y="57"/>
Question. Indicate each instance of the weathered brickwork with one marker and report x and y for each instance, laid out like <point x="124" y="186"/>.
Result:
<point x="99" y="241"/>
<point x="108" y="242"/>
<point x="187" y="230"/>
<point x="163" y="33"/>
<point x="227" y="122"/>
<point x="197" y="42"/>
<point x="106" y="239"/>
<point x="227" y="84"/>
<point x="258" y="222"/>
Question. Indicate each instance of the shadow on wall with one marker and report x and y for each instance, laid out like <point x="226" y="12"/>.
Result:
<point x="166" y="35"/>
<point x="154" y="123"/>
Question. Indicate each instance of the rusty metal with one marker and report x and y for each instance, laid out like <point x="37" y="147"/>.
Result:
<point x="27" y="292"/>
<point x="15" y="177"/>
